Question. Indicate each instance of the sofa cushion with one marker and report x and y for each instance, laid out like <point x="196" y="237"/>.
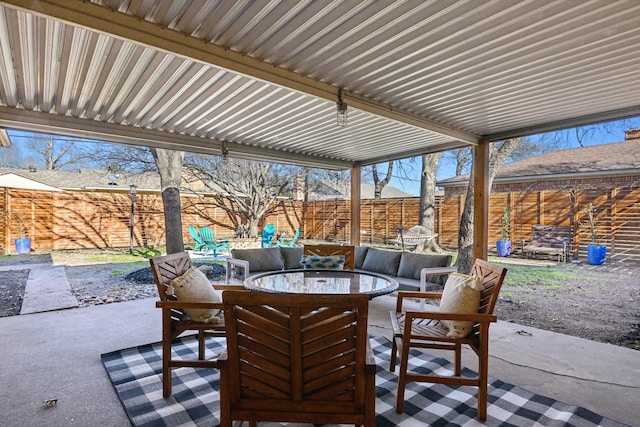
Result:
<point x="383" y="262"/>
<point x="291" y="257"/>
<point x="263" y="259"/>
<point x="361" y="253"/>
<point x="413" y="284"/>
<point x="411" y="264"/>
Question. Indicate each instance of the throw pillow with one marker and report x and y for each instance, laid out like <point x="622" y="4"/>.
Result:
<point x="335" y="262"/>
<point x="193" y="286"/>
<point x="461" y="295"/>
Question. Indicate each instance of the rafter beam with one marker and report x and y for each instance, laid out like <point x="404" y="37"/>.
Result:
<point x="30" y="121"/>
<point x="126" y="27"/>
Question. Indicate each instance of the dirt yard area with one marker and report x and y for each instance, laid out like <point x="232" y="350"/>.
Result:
<point x="593" y="302"/>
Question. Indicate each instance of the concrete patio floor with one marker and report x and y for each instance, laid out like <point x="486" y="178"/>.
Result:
<point x="56" y="355"/>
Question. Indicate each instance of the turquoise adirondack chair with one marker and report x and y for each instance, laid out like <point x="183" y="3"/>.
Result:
<point x="213" y="246"/>
<point x="267" y="235"/>
<point x="195" y="235"/>
<point x="288" y="242"/>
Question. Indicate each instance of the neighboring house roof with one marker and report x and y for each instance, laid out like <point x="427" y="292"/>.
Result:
<point x="95" y="180"/>
<point x="11" y="180"/>
<point x="617" y="159"/>
<point x="330" y="190"/>
<point x="89" y="179"/>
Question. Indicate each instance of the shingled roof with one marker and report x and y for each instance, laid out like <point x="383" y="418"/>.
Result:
<point x="617" y="159"/>
<point x="89" y="179"/>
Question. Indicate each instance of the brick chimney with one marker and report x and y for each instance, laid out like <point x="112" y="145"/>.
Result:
<point x="632" y="134"/>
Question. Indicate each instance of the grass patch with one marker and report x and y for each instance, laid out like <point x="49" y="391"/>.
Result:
<point x="552" y="277"/>
<point x="128" y="268"/>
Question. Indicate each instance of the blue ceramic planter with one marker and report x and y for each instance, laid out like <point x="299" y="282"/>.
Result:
<point x="23" y="246"/>
<point x="596" y="254"/>
<point x="503" y="247"/>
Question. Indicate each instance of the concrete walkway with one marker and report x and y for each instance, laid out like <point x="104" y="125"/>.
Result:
<point x="47" y="289"/>
<point x="56" y="355"/>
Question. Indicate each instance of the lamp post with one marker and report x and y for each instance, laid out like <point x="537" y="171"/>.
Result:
<point x="133" y="189"/>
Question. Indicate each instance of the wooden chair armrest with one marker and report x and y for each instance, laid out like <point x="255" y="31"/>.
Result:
<point x="227" y="287"/>
<point x="222" y="360"/>
<point x="477" y="318"/>
<point x="413" y="295"/>
<point x="177" y="305"/>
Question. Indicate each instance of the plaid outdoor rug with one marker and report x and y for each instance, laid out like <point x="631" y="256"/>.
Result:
<point x="136" y="377"/>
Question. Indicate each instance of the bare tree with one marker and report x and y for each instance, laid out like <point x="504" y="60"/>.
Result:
<point x="243" y="188"/>
<point x="170" y="168"/>
<point x="498" y="153"/>
<point x="49" y="152"/>
<point x="378" y="182"/>
<point x="430" y="164"/>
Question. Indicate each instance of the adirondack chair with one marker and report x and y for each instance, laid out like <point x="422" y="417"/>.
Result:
<point x="195" y="235"/>
<point x="289" y="242"/>
<point x="213" y="246"/>
<point x="267" y="235"/>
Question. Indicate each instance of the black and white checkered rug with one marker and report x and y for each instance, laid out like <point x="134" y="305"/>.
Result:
<point x="136" y="377"/>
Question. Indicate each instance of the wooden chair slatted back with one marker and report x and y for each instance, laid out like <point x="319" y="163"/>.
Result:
<point x="166" y="268"/>
<point x="297" y="353"/>
<point x="492" y="277"/>
<point x="349" y="253"/>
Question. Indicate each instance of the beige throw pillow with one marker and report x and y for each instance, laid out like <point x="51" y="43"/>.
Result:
<point x="461" y="295"/>
<point x="193" y="286"/>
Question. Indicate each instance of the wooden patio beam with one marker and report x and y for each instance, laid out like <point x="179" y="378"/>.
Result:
<point x="356" y="179"/>
<point x="481" y="190"/>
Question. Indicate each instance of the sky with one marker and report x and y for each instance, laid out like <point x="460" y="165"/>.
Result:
<point x="602" y="134"/>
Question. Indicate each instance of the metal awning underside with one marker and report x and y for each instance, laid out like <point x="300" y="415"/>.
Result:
<point x="263" y="77"/>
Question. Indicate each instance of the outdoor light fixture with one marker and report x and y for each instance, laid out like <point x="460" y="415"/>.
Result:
<point x="133" y="189"/>
<point x="225" y="153"/>
<point x="341" y="113"/>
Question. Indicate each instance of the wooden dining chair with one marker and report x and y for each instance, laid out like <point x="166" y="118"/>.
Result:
<point x="174" y="319"/>
<point x="299" y="358"/>
<point x="418" y="329"/>
<point x="349" y="253"/>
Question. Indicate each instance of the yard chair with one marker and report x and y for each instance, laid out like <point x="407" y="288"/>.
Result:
<point x="288" y="242"/>
<point x="175" y="321"/>
<point x="214" y="246"/>
<point x="348" y="252"/>
<point x="418" y="329"/>
<point x="195" y="235"/>
<point x="267" y="235"/>
<point x="300" y="358"/>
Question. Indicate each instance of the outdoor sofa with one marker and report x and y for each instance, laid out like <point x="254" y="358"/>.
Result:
<point x="426" y="272"/>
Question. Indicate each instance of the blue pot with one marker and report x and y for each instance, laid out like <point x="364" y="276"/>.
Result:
<point x="503" y="247"/>
<point x="596" y="254"/>
<point x="23" y="246"/>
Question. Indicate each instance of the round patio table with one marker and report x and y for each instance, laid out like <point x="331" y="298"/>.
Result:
<point x="325" y="282"/>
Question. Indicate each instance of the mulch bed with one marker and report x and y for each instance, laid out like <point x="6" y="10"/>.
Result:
<point x="12" y="284"/>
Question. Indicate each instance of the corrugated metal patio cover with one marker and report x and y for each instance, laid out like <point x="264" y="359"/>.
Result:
<point x="263" y="77"/>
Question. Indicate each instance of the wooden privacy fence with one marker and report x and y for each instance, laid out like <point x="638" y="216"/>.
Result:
<point x="74" y="219"/>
